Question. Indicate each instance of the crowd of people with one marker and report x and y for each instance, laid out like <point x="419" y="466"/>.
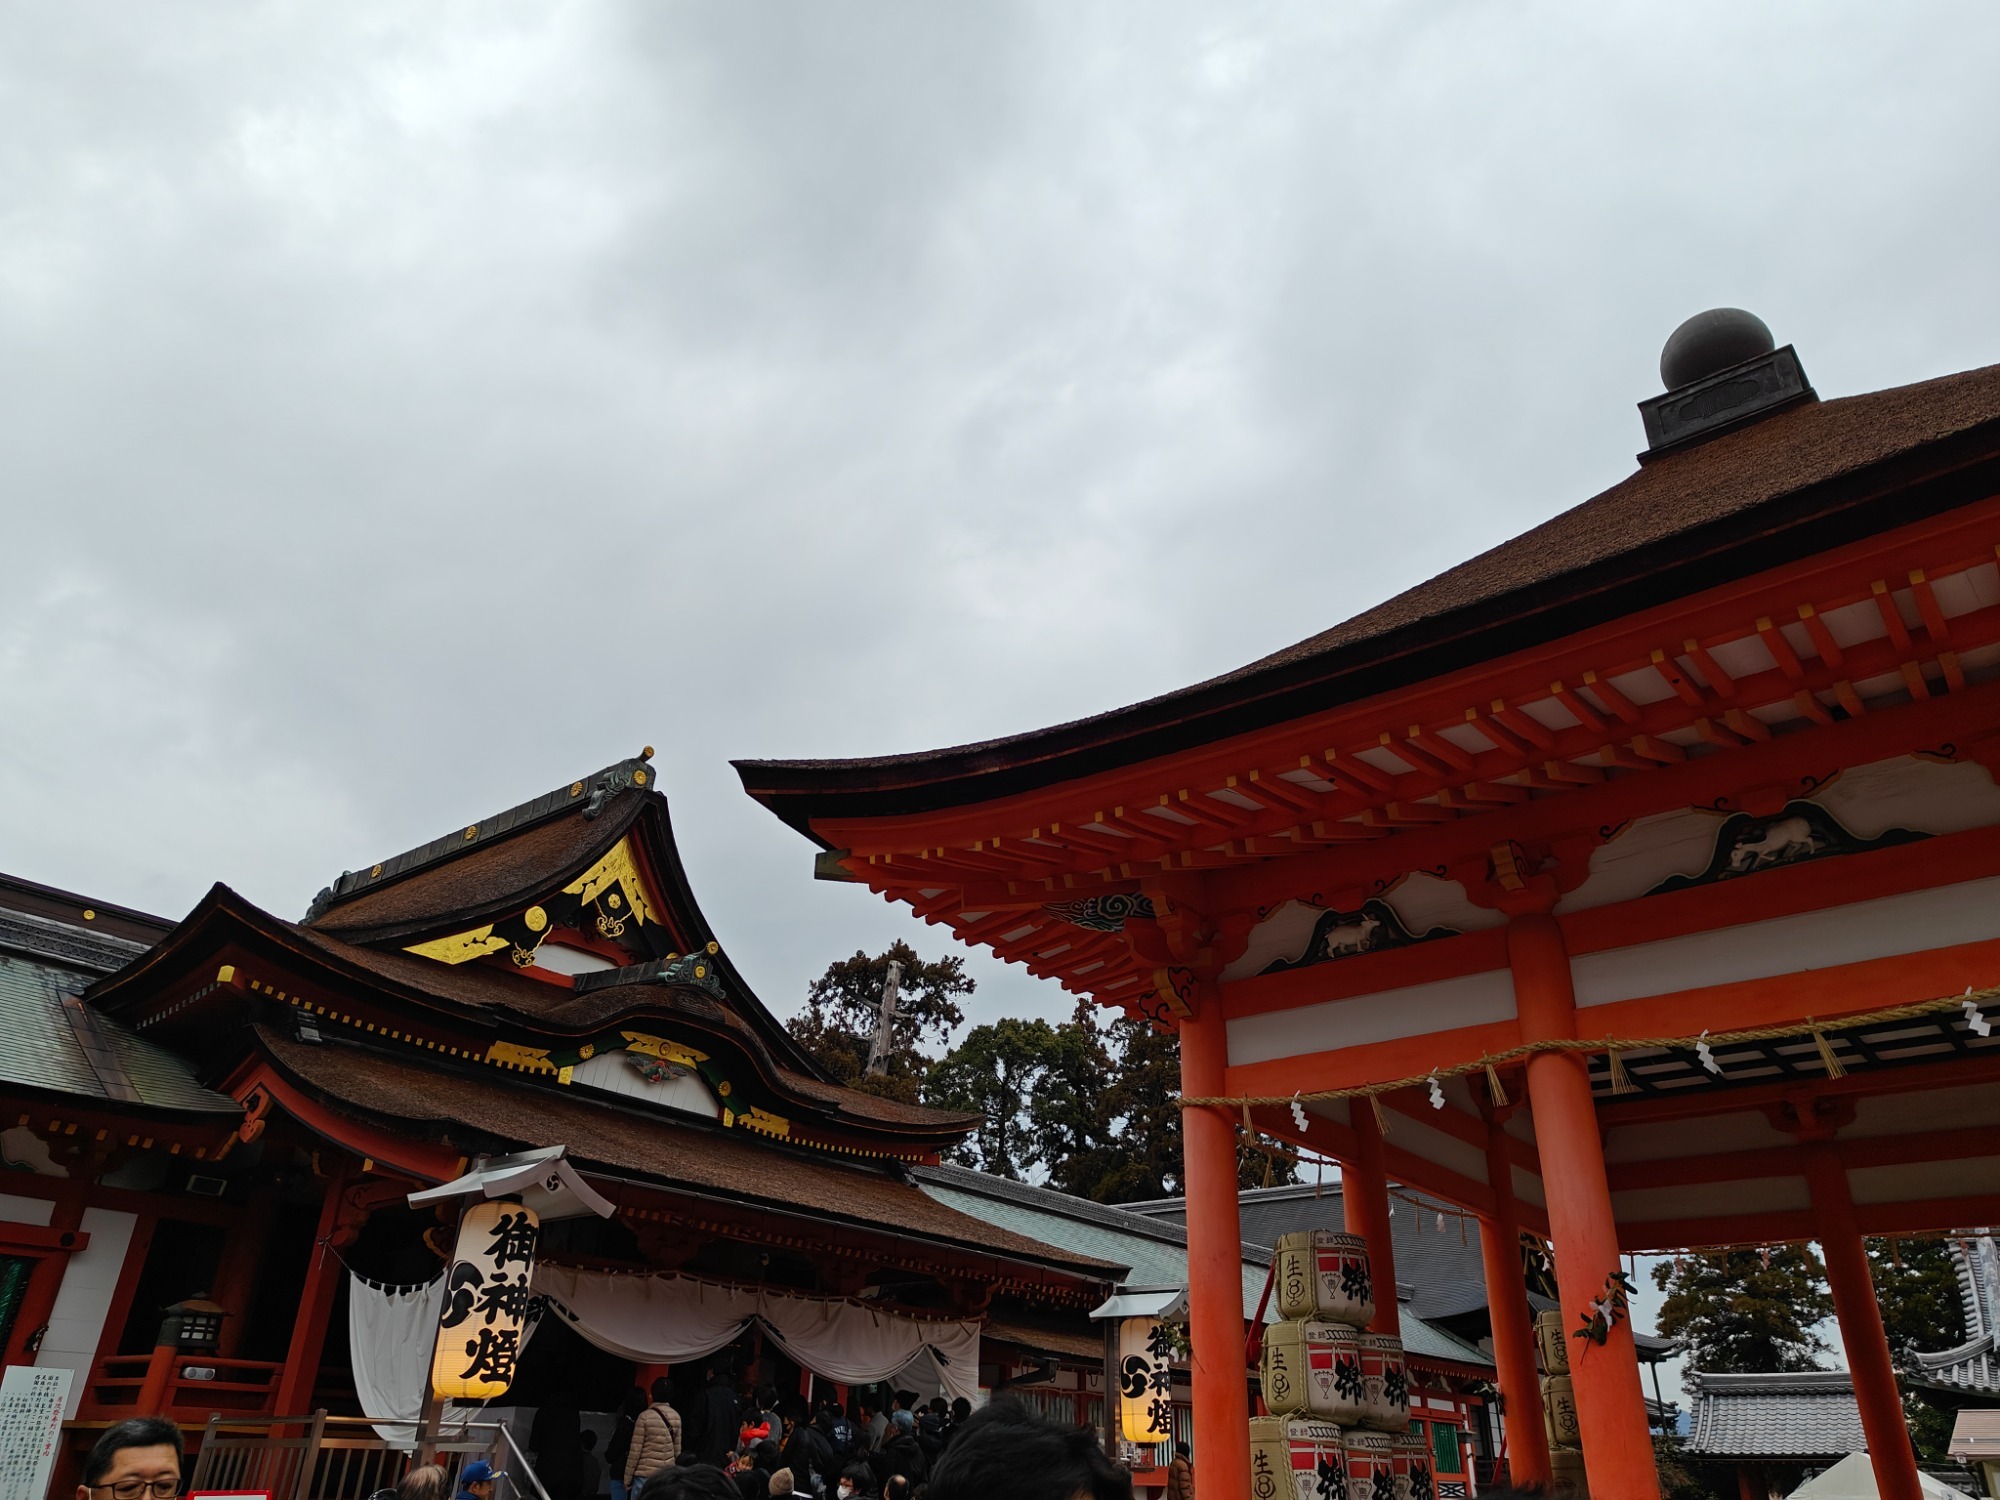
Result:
<point x="883" y="1445"/>
<point x="729" y="1449"/>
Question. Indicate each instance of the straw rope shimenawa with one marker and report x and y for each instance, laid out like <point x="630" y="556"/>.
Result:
<point x="1970" y="1002"/>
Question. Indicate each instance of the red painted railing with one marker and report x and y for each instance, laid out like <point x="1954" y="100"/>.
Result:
<point x="184" y="1385"/>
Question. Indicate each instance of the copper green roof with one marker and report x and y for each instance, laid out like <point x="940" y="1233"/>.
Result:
<point x="52" y="1043"/>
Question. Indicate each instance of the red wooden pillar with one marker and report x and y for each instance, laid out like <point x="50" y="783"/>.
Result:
<point x="1513" y="1326"/>
<point x="1610" y="1401"/>
<point x="236" y="1276"/>
<point x="301" y="1373"/>
<point x="44" y="1282"/>
<point x="1215" y="1262"/>
<point x="1854" y="1304"/>
<point x="1364" y="1205"/>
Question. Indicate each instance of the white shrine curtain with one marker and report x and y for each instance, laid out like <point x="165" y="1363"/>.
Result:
<point x="674" y="1319"/>
<point x="391" y="1333"/>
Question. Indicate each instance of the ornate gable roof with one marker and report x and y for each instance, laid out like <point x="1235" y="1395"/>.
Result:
<point x="558" y="942"/>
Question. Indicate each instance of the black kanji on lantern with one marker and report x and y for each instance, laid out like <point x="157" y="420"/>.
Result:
<point x="492" y="1352"/>
<point x="504" y="1299"/>
<point x="1160" y="1416"/>
<point x="514" y="1239"/>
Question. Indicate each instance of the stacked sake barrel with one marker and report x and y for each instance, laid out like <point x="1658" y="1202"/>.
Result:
<point x="1339" y="1397"/>
<point x="1559" y="1405"/>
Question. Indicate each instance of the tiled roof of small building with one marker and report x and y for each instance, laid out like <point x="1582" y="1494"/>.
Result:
<point x="52" y="1043"/>
<point x="1810" y="1414"/>
<point x="1152" y="1247"/>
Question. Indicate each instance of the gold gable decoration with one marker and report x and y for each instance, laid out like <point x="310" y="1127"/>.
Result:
<point x="613" y="886"/>
<point x="461" y="947"/>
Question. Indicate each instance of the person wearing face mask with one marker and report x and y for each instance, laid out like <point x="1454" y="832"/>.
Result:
<point x="856" y="1483"/>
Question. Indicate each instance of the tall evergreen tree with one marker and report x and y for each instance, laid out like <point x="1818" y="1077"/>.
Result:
<point x="838" y="1024"/>
<point x="995" y="1073"/>
<point x="1733" y="1313"/>
<point x="1076" y="1138"/>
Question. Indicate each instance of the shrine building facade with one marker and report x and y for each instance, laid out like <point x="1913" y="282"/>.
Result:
<point x="234" y="1109"/>
<point x="1634" y="886"/>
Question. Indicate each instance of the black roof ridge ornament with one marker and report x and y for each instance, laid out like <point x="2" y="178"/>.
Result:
<point x="696" y="969"/>
<point x="593" y="794"/>
<point x="1722" y="370"/>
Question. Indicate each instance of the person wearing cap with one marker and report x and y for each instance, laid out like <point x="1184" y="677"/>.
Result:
<point x="900" y="1453"/>
<point x="476" y="1480"/>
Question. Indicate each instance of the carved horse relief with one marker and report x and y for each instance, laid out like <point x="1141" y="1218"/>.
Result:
<point x="1370" y="928"/>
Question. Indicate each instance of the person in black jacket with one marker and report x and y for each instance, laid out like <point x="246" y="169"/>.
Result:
<point x="621" y="1440"/>
<point x="900" y="1452"/>
<point x="809" y="1451"/>
<point x="714" y="1421"/>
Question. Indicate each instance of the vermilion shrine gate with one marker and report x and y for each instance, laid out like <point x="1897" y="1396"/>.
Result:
<point x="1661" y="840"/>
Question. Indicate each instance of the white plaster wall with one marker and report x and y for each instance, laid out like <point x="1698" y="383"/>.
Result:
<point x="1914" y="922"/>
<point x="614" y="1074"/>
<point x="77" y="1322"/>
<point x="26" y="1210"/>
<point x="1466" y="1000"/>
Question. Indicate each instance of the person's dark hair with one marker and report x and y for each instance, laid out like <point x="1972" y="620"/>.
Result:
<point x="961" y="1409"/>
<point x="133" y="1432"/>
<point x="765" y="1455"/>
<point x="662" y="1388"/>
<point x="694" y="1482"/>
<point x="860" y="1476"/>
<point x="1182" y="1450"/>
<point x="896" y="1487"/>
<point x="587" y="1440"/>
<point x="688" y="1459"/>
<point x="1007" y="1452"/>
<point x="767" y="1396"/>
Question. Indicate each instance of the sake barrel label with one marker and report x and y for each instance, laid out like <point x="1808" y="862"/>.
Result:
<point x="1371" y="1466"/>
<point x="1296" y="1458"/>
<point x="1322" y="1273"/>
<point x="1312" y="1367"/>
<point x="1384" y="1382"/>
<point x="1414" y="1479"/>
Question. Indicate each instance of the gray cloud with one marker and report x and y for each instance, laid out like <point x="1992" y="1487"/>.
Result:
<point x="403" y="411"/>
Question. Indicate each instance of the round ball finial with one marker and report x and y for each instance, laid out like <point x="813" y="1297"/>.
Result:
<point x="1711" y="341"/>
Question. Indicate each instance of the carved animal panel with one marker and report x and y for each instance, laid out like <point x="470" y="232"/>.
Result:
<point x="1801" y="831"/>
<point x="1347" y="934"/>
<point x="1415" y="908"/>
<point x="1863" y="807"/>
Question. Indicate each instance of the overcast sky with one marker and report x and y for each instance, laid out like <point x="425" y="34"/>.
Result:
<point x="407" y="409"/>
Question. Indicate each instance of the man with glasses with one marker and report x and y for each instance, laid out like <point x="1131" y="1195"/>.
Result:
<point x="138" y="1459"/>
